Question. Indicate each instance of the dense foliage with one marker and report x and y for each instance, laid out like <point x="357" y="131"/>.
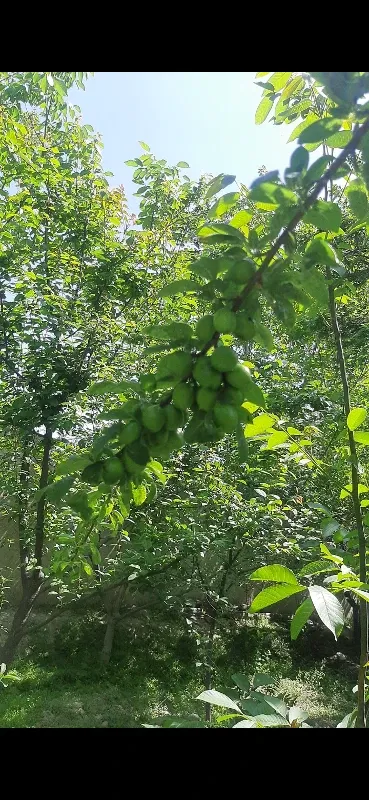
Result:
<point x="183" y="392"/>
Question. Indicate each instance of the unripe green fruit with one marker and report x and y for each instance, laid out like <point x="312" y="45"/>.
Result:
<point x="153" y="418"/>
<point x="231" y="396"/>
<point x="224" y="321"/>
<point x="175" y="418"/>
<point x="241" y="271"/>
<point x="183" y="396"/>
<point x="130" y="432"/>
<point x="226" y="417"/>
<point x="157" y="439"/>
<point x="205" y="375"/>
<point x="113" y="470"/>
<point x="239" y="377"/>
<point x="93" y="473"/>
<point x="178" y="365"/>
<point x="205" y="328"/>
<point x="245" y="327"/>
<point x="205" y="398"/>
<point x="224" y="359"/>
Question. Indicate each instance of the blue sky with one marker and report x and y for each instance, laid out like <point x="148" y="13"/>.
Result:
<point x="204" y="118"/>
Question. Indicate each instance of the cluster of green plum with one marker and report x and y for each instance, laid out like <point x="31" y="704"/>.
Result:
<point x="204" y="403"/>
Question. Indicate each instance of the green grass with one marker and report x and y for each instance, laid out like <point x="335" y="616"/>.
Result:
<point x="153" y="672"/>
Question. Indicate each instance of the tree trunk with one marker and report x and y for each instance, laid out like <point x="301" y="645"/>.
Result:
<point x="31" y="582"/>
<point x="112" y="605"/>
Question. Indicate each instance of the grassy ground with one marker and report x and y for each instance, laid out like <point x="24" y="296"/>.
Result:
<point x="153" y="672"/>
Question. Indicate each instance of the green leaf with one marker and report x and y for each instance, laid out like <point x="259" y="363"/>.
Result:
<point x="183" y="164"/>
<point x="279" y="80"/>
<point x="218" y="699"/>
<point x="111" y="387"/>
<point x="263" y="109"/>
<point x="260" y="424"/>
<point x="72" y="464"/>
<point x="302" y="125"/>
<point x="328" y="608"/>
<point x="340" y="139"/>
<point x="178" y="287"/>
<point x="241" y="681"/>
<point x="261" y="74"/>
<point x="319" y="251"/>
<point x="296" y="714"/>
<point x="316" y="170"/>
<point x="314" y="568"/>
<point x="357" y="198"/>
<point x="319" y="131"/>
<point x="279" y="437"/>
<point x="362" y="437"/>
<point x="220" y="229"/>
<point x="299" y="160"/>
<point x="277" y="704"/>
<point x="263" y="336"/>
<point x="245" y="723"/>
<point x="275" y="572"/>
<point x="356" y="418"/>
<point x="301" y="616"/>
<point x="225" y="202"/>
<point x="241" y="220"/>
<point x="324" y="215"/>
<point x="219" y="183"/>
<point x="329" y="556"/>
<point x="145" y="146"/>
<point x="139" y="494"/>
<point x="273" y="594"/>
<point x="361" y="593"/>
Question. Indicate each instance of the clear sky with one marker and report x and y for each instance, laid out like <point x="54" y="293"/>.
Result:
<point x="204" y="118"/>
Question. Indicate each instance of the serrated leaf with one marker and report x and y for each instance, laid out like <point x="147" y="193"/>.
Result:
<point x="263" y="109"/>
<point x="223" y="205"/>
<point x="218" y="699"/>
<point x="328" y="608"/>
<point x="179" y="287"/>
<point x="219" y="183"/>
<point x="324" y="215"/>
<point x="273" y="594"/>
<point x="301" y="616"/>
<point x="355" y="418"/>
<point x="275" y="572"/>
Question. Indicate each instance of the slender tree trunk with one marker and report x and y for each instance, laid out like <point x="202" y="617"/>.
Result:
<point x="363" y="615"/>
<point x="208" y="680"/>
<point x="31" y="581"/>
<point x="112" y="605"/>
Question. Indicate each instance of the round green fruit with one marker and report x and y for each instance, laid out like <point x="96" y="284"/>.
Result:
<point x="131" y="465"/>
<point x="241" y="271"/>
<point x="177" y="365"/>
<point x="205" y="398"/>
<point x="245" y="327"/>
<point x="130" y="432"/>
<point x="226" y="417"/>
<point x="175" y="441"/>
<point x="224" y="321"/>
<point x="157" y="439"/>
<point x="231" y="396"/>
<point x="153" y="418"/>
<point x="205" y="328"/>
<point x="205" y="375"/>
<point x="239" y="377"/>
<point x="183" y="396"/>
<point x="113" y="470"/>
<point x="175" y="418"/>
<point x="224" y="359"/>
